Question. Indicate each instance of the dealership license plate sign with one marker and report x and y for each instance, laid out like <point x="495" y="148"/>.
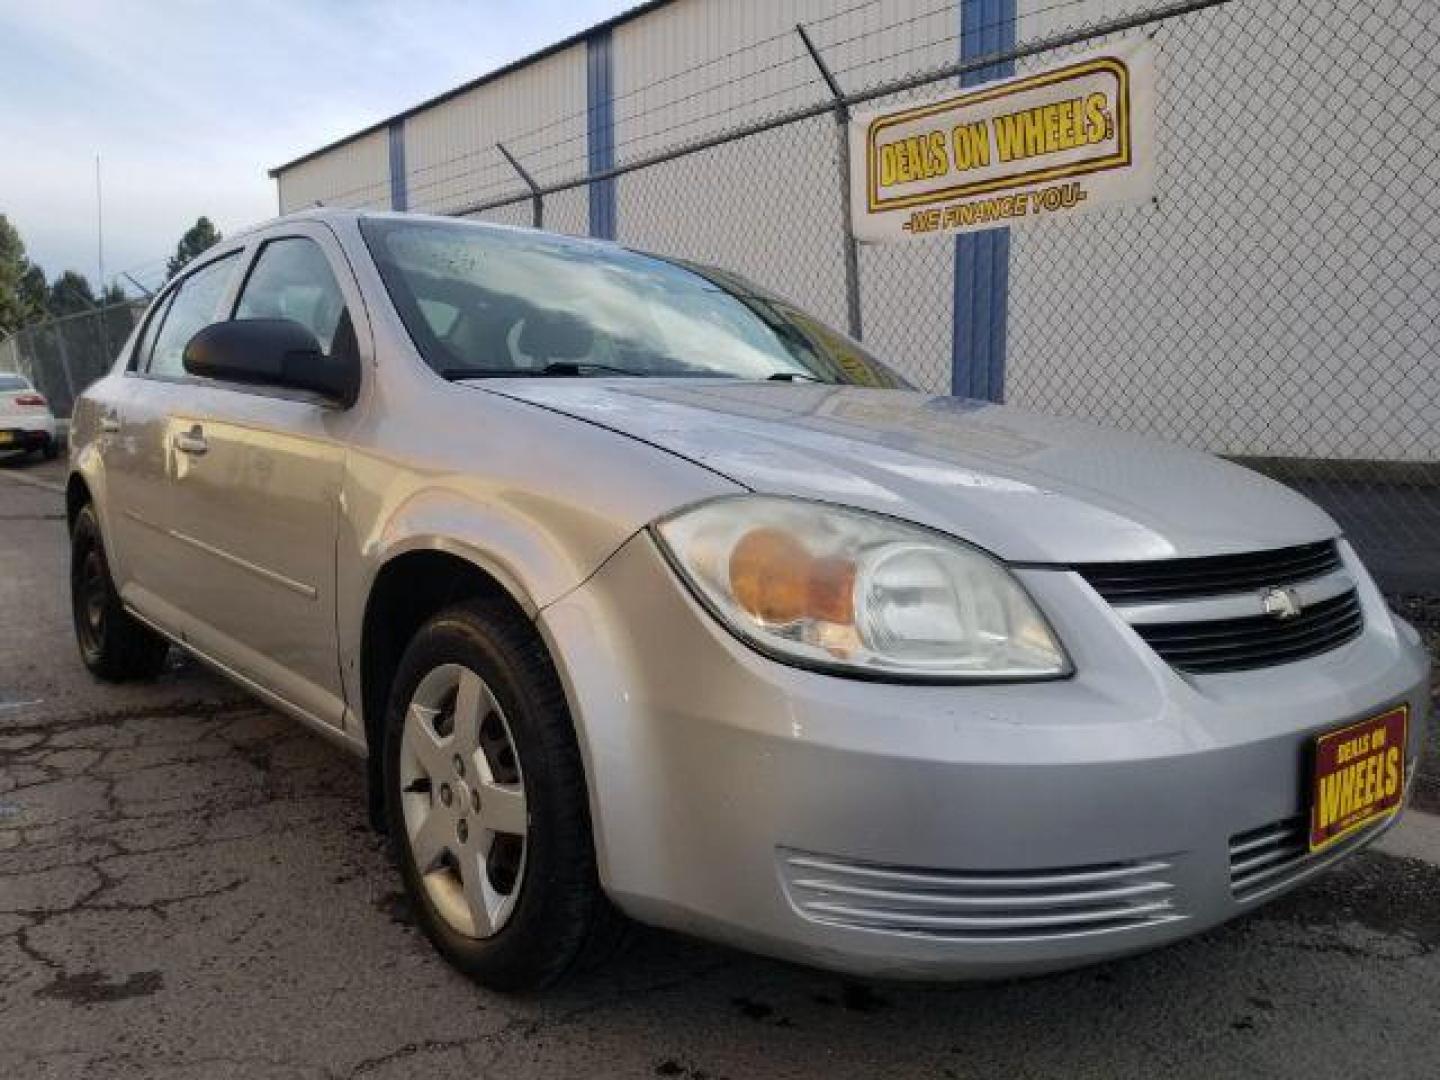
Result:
<point x="1359" y="776"/>
<point x="1045" y="144"/>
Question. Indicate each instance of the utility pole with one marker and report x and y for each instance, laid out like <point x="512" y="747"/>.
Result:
<point x="99" y="227"/>
<point x="100" y="260"/>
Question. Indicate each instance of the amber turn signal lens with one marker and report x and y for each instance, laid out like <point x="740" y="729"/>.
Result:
<point x="775" y="578"/>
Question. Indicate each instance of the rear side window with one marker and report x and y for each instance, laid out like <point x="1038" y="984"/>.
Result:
<point x="292" y="280"/>
<point x="146" y="346"/>
<point x="12" y="382"/>
<point x="192" y="308"/>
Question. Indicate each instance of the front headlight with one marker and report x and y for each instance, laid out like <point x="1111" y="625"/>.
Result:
<point x="828" y="587"/>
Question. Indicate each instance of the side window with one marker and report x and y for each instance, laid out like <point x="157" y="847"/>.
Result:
<point x="146" y="345"/>
<point x="192" y="309"/>
<point x="292" y="280"/>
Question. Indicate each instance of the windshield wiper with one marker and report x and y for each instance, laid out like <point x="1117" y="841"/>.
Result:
<point x="580" y="367"/>
<point x="557" y="369"/>
<point x="454" y="373"/>
<point x="577" y="368"/>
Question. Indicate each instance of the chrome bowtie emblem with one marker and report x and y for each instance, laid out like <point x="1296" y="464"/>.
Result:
<point x="1282" y="603"/>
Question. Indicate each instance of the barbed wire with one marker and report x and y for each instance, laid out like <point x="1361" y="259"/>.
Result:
<point x="534" y="156"/>
<point x="545" y="169"/>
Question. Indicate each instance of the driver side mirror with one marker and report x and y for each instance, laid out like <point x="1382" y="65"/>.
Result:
<point x="273" y="352"/>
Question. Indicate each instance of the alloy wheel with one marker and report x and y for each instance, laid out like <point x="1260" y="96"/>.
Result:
<point x="90" y="598"/>
<point x="463" y="800"/>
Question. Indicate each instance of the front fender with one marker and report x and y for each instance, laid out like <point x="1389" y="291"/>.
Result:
<point x="538" y="537"/>
<point x="530" y="563"/>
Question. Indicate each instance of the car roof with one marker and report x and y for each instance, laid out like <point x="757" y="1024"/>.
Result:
<point x="337" y="214"/>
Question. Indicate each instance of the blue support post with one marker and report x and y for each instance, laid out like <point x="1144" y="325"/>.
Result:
<point x="982" y="259"/>
<point x="399" y="197"/>
<point x="600" y="132"/>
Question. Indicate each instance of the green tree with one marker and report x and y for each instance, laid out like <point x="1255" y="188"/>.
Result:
<point x="199" y="237"/>
<point x="17" y="279"/>
<point x="112" y="294"/>
<point x="34" y="291"/>
<point x="71" y="293"/>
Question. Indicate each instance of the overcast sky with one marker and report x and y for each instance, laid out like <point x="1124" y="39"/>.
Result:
<point x="189" y="102"/>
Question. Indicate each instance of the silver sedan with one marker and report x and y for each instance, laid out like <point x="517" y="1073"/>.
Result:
<point x="647" y="594"/>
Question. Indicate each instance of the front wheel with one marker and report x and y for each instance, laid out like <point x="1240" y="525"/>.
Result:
<point x="114" y="645"/>
<point x="486" y="802"/>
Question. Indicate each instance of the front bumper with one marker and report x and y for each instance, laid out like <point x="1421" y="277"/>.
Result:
<point x="947" y="832"/>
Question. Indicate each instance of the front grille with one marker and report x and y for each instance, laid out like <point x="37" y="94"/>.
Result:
<point x="1271" y="857"/>
<point x="1255" y="642"/>
<point x="965" y="905"/>
<point x="1165" y="603"/>
<point x="1180" y="579"/>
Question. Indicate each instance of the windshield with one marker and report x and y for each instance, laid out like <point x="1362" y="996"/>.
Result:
<point x="487" y="302"/>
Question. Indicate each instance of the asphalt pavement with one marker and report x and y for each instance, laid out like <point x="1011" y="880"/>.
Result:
<point x="188" y="888"/>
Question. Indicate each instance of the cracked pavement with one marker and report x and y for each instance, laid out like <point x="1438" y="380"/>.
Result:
<point x="188" y="889"/>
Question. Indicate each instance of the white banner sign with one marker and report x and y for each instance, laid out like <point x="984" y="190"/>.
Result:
<point x="1044" y="144"/>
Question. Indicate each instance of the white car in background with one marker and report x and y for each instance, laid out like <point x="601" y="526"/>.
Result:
<point x="26" y="422"/>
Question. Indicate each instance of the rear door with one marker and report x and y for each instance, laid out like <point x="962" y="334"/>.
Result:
<point x="254" y="487"/>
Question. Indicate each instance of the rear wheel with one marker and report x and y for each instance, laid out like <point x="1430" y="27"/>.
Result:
<point x="114" y="645"/>
<point x="51" y="449"/>
<point x="486" y="802"/>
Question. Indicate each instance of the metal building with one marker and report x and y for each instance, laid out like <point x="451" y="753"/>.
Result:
<point x="1271" y="303"/>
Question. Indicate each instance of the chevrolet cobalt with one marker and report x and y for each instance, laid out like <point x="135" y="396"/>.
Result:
<point x="646" y="594"/>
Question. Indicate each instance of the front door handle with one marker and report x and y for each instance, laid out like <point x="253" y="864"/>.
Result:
<point x="191" y="442"/>
<point x="109" y="424"/>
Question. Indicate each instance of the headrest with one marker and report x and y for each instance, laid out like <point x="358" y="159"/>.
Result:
<point x="555" y="335"/>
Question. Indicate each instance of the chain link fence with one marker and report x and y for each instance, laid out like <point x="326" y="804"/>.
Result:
<point x="1277" y="302"/>
<point x="63" y="356"/>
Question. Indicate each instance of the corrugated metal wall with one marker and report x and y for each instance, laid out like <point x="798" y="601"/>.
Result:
<point x="691" y="69"/>
<point x="1266" y="304"/>
<point x="538" y="112"/>
<point x="355" y="174"/>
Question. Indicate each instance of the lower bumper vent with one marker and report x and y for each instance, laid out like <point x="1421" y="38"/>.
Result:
<point x="962" y="905"/>
<point x="1272" y="856"/>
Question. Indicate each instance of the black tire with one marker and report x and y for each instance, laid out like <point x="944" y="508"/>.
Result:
<point x="114" y="645"/>
<point x="561" y="918"/>
<point x="51" y="449"/>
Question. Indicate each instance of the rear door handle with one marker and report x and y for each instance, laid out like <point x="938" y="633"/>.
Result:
<point x="191" y="442"/>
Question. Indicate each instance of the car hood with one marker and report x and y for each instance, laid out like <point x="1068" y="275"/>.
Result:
<point x="1027" y="487"/>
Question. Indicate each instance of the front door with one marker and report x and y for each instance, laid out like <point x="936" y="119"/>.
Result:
<point x="255" y="482"/>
